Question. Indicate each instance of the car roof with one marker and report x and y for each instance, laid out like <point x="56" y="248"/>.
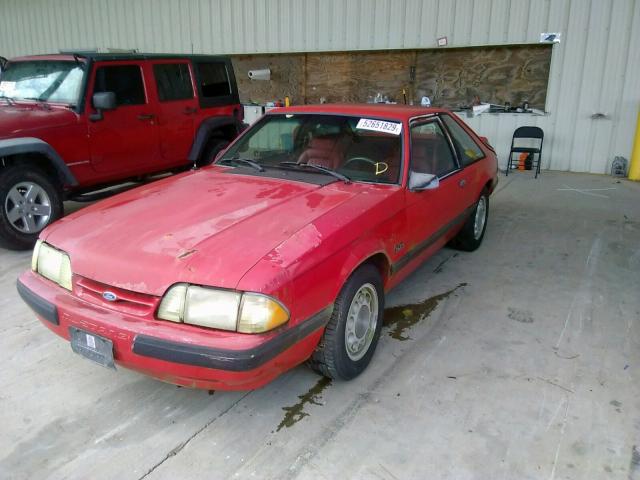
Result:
<point x="375" y="110"/>
<point x="71" y="56"/>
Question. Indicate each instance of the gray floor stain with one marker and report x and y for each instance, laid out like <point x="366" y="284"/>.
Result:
<point x="440" y="266"/>
<point x="634" y="465"/>
<point x="522" y="316"/>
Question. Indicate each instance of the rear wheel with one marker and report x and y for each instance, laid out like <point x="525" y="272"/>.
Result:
<point x="472" y="233"/>
<point x="29" y="201"/>
<point x="352" y="334"/>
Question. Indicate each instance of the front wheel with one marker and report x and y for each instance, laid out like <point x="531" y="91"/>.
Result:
<point x="470" y="236"/>
<point x="352" y="334"/>
<point x="29" y="201"/>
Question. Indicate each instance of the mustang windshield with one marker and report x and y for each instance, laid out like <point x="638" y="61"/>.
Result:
<point x="44" y="81"/>
<point x="358" y="148"/>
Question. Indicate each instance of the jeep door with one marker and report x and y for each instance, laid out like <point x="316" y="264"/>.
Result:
<point x="177" y="109"/>
<point x="123" y="141"/>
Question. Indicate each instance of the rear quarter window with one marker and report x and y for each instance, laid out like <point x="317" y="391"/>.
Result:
<point x="214" y="79"/>
<point x="466" y="147"/>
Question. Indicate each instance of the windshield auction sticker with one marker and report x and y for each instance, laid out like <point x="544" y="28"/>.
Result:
<point x="379" y="126"/>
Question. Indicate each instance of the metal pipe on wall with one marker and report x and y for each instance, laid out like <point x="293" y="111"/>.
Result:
<point x="634" y="167"/>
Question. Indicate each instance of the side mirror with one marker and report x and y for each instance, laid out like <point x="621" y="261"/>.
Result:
<point x="422" y="181"/>
<point x="102" y="101"/>
<point x="3" y="62"/>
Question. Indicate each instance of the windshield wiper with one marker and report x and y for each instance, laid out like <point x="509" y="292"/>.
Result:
<point x="9" y="100"/>
<point x="244" y="161"/>
<point x="40" y="102"/>
<point x="319" y="168"/>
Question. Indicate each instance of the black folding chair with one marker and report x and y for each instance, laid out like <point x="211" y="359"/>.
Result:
<point x="535" y="133"/>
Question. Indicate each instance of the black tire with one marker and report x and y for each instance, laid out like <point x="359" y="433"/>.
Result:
<point x="14" y="235"/>
<point x="213" y="147"/>
<point x="330" y="357"/>
<point x="467" y="239"/>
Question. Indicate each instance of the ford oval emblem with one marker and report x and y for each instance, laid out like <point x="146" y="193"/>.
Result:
<point x="109" y="296"/>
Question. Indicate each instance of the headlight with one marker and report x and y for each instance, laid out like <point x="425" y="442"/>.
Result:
<point x="211" y="308"/>
<point x="223" y="309"/>
<point x="52" y="263"/>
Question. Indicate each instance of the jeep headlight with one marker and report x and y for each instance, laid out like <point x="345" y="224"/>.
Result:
<point x="52" y="263"/>
<point x="222" y="309"/>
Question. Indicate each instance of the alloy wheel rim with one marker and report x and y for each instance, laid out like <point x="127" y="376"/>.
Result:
<point x="481" y="218"/>
<point x="362" y="320"/>
<point x="27" y="207"/>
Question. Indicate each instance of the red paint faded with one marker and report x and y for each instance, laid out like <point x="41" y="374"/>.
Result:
<point x="295" y="241"/>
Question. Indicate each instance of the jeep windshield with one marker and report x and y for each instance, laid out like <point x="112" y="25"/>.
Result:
<point x="43" y="81"/>
<point x="350" y="148"/>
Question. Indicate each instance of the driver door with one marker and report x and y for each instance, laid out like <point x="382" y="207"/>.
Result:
<point x="432" y="214"/>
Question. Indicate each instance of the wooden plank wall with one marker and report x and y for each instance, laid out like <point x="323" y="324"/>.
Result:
<point x="451" y="77"/>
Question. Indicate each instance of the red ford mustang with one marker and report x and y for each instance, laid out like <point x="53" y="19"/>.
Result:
<point x="280" y="252"/>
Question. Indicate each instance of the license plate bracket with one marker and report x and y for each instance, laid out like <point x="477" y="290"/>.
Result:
<point x="92" y="346"/>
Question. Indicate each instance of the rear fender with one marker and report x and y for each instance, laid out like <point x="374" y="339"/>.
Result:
<point x="208" y="128"/>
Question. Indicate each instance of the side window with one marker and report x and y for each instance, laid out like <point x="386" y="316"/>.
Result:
<point x="430" y="150"/>
<point x="214" y="80"/>
<point x="173" y="81"/>
<point x="468" y="149"/>
<point x="123" y="80"/>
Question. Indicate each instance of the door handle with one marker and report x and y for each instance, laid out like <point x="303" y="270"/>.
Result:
<point x="146" y="116"/>
<point x="190" y="110"/>
<point x="462" y="183"/>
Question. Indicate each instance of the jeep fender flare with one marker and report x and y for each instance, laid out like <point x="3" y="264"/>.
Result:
<point x="205" y="129"/>
<point x="26" y="145"/>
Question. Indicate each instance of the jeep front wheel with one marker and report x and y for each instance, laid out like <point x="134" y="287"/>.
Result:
<point x="29" y="201"/>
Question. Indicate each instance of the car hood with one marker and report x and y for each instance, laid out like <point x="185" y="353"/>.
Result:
<point x="206" y="227"/>
<point x="20" y="119"/>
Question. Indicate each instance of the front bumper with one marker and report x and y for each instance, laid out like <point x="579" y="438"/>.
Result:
<point x="177" y="353"/>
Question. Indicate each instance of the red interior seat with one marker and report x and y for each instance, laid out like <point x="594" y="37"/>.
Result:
<point x="323" y="151"/>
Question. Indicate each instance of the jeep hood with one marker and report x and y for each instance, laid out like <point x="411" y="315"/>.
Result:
<point x="206" y="227"/>
<point x="22" y="120"/>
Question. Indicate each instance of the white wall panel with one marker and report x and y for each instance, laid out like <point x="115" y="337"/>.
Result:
<point x="595" y="69"/>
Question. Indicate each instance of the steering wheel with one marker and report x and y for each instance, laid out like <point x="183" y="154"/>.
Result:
<point x="360" y="159"/>
<point x="379" y="167"/>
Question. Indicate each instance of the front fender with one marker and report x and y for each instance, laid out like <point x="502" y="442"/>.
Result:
<point x="18" y="146"/>
<point x="204" y="131"/>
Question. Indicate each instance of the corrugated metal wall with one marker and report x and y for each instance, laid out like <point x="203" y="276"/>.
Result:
<point x="596" y="68"/>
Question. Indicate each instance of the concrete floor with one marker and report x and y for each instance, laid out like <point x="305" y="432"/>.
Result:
<point x="528" y="370"/>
